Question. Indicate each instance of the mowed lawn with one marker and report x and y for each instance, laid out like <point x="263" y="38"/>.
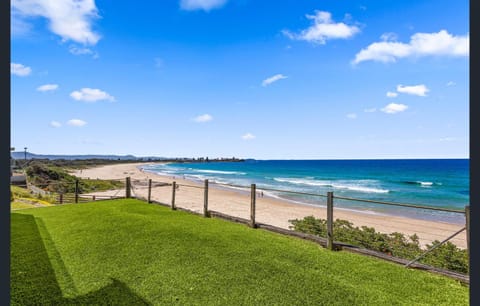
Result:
<point x="128" y="252"/>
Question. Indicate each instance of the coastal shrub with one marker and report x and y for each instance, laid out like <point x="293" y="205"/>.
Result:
<point x="447" y="256"/>
<point x="56" y="179"/>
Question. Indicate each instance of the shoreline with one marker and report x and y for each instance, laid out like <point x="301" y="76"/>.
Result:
<point x="382" y="209"/>
<point x="270" y="210"/>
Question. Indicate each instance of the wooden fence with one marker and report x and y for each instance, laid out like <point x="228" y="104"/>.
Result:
<point x="329" y="241"/>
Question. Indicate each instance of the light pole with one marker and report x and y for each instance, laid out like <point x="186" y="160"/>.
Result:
<point x="25" y="153"/>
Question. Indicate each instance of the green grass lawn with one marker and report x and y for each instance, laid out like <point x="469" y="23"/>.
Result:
<point x="128" y="252"/>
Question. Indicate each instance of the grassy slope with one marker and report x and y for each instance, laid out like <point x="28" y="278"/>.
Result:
<point x="131" y="253"/>
<point x="22" y="199"/>
<point x="54" y="178"/>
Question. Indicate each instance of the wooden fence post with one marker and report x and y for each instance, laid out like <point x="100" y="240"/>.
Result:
<point x="174" y="186"/>
<point x="205" y="200"/>
<point x="330" y="220"/>
<point x="253" y="195"/>
<point x="76" y="191"/>
<point x="467" y="227"/>
<point x="127" y="188"/>
<point x="93" y="198"/>
<point x="150" y="191"/>
<point x="61" y="198"/>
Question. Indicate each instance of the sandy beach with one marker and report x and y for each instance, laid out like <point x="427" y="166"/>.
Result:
<point x="272" y="211"/>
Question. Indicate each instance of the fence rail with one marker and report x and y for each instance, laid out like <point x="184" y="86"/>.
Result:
<point x="402" y="205"/>
<point x="135" y="188"/>
<point x="330" y="242"/>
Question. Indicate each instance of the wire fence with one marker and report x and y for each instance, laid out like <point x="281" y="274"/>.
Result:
<point x="258" y="207"/>
<point x="255" y="206"/>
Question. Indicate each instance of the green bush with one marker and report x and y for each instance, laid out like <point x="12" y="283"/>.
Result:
<point x="447" y="256"/>
<point x="56" y="179"/>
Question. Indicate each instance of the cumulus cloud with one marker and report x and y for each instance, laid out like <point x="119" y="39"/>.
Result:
<point x="391" y="94"/>
<point x="91" y="95"/>
<point x="203" y="118"/>
<point x="417" y="90"/>
<point x="451" y="83"/>
<point x="206" y="5"/>
<point x="421" y="44"/>
<point x="55" y="124"/>
<point x="248" y="136"/>
<point x="76" y="122"/>
<point x="352" y="116"/>
<point x="47" y="87"/>
<point x="272" y="79"/>
<point x="19" y="69"/>
<point x="70" y="19"/>
<point x="370" y="110"/>
<point x="393" y="108"/>
<point x="323" y="29"/>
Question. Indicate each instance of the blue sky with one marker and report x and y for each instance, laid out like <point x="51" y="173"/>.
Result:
<point x="252" y="79"/>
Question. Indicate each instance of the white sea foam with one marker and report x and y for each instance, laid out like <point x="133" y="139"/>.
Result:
<point x="160" y="173"/>
<point x="302" y="181"/>
<point x="362" y="189"/>
<point x="220" y="172"/>
<point x="426" y="183"/>
<point x="198" y="176"/>
<point x="358" y="185"/>
<point x="217" y="181"/>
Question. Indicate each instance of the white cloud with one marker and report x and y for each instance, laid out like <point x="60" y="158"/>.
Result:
<point x="370" y="110"/>
<point x="19" y="69"/>
<point x="391" y="94"/>
<point x="55" y="124"/>
<point x="390" y="36"/>
<point x="248" y="136"/>
<point x="18" y="27"/>
<point x="421" y="44"/>
<point x="76" y="122"/>
<point x="352" y="116"/>
<point x="323" y="29"/>
<point x="70" y="19"/>
<point x="417" y="90"/>
<point x="206" y="5"/>
<point x="451" y="83"/>
<point x="82" y="51"/>
<point x="272" y="79"/>
<point x="91" y="95"/>
<point x="79" y="51"/>
<point x="393" y="108"/>
<point x="203" y="118"/>
<point x="47" y="87"/>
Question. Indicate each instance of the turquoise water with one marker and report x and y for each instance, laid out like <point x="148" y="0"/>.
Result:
<point x="441" y="183"/>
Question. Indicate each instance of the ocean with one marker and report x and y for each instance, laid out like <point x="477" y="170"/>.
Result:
<point x="440" y="183"/>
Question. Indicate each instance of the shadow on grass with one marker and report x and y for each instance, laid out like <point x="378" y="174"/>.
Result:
<point x="32" y="278"/>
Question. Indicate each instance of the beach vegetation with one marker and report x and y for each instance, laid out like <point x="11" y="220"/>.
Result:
<point x="53" y="178"/>
<point x="447" y="256"/>
<point x="128" y="252"/>
<point x="21" y="198"/>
